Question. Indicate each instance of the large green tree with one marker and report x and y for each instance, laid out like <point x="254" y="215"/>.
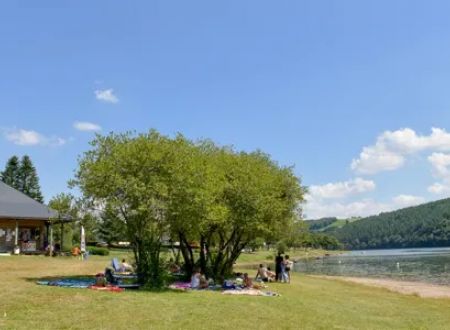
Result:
<point x="131" y="174"/>
<point x="193" y="192"/>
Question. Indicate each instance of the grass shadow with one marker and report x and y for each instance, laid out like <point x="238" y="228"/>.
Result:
<point x="91" y="279"/>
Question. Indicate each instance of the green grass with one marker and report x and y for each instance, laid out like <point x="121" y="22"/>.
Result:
<point x="307" y="303"/>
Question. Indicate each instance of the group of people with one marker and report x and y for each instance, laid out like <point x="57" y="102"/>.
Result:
<point x="282" y="273"/>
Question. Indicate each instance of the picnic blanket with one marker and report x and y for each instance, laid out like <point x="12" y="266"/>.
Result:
<point x="251" y="292"/>
<point x="79" y="283"/>
<point x="111" y="288"/>
<point x="180" y="285"/>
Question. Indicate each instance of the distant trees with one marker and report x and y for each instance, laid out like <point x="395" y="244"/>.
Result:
<point x="22" y="175"/>
<point x="195" y="193"/>
<point x="69" y="207"/>
<point x="426" y="225"/>
<point x="300" y="235"/>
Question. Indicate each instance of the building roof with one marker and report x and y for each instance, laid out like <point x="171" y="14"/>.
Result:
<point x="16" y="205"/>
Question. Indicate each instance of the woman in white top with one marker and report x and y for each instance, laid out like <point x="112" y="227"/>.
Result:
<point x="288" y="265"/>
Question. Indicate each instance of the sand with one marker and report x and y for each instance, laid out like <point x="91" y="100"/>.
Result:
<point x="424" y="290"/>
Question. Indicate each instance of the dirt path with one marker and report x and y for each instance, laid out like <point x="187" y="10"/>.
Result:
<point x="424" y="290"/>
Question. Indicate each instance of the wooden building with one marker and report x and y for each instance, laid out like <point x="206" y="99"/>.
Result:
<point x="24" y="222"/>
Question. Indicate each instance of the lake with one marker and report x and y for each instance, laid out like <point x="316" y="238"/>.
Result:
<point x="430" y="265"/>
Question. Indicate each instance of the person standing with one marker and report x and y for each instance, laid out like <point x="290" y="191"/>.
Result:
<point x="288" y="265"/>
<point x="278" y="267"/>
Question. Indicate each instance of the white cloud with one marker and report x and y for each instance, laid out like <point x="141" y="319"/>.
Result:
<point x="440" y="163"/>
<point x="342" y="189"/>
<point x="439" y="188"/>
<point x="407" y="200"/>
<point x="86" y="126"/>
<point x="391" y="149"/>
<point x="106" y="95"/>
<point x="316" y="208"/>
<point x="23" y="137"/>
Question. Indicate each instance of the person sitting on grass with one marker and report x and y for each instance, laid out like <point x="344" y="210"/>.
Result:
<point x="173" y="267"/>
<point x="262" y="274"/>
<point x="271" y="275"/>
<point x="198" y="280"/>
<point x="125" y="267"/>
<point x="247" y="283"/>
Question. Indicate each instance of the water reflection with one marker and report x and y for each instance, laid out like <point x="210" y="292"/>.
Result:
<point x="428" y="265"/>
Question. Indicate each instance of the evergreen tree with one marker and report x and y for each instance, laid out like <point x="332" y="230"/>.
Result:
<point x="10" y="175"/>
<point x="111" y="227"/>
<point x="28" y="179"/>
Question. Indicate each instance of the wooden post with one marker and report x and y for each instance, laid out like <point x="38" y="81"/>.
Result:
<point x="62" y="236"/>
<point x="51" y="240"/>
<point x="16" y="236"/>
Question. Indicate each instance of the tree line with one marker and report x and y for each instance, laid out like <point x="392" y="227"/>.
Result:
<point x="426" y="225"/>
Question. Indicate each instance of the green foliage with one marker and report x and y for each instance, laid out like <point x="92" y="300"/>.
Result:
<point x="282" y="247"/>
<point x="98" y="251"/>
<point x="427" y="225"/>
<point x="23" y="177"/>
<point x="10" y="175"/>
<point x="256" y="244"/>
<point x="111" y="226"/>
<point x="329" y="224"/>
<point x="29" y="181"/>
<point x="320" y="224"/>
<point x="188" y="191"/>
<point x="64" y="205"/>
<point x="67" y="207"/>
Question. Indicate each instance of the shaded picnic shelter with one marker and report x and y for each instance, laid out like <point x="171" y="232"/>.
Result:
<point x="25" y="224"/>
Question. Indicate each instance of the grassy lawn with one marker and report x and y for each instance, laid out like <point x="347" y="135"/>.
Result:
<point x="308" y="303"/>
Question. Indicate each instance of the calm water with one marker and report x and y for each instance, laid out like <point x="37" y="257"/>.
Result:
<point x="427" y="265"/>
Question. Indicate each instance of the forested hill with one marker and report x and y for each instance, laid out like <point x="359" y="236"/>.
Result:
<point x="328" y="224"/>
<point x="426" y="225"/>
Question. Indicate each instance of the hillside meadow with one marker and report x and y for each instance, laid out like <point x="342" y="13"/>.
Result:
<point x="307" y="303"/>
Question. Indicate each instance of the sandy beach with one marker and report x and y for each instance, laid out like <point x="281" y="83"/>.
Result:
<point x="424" y="290"/>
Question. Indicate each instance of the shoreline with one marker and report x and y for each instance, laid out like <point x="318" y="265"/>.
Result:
<point x="420" y="289"/>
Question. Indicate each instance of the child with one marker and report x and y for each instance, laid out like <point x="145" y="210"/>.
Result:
<point x="247" y="283"/>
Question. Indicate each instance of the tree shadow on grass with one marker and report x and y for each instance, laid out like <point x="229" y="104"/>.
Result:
<point x="76" y="281"/>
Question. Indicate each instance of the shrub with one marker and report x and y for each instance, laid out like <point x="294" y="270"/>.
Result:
<point x="98" y="251"/>
<point x="281" y="247"/>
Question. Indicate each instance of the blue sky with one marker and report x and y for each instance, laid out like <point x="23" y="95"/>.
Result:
<point x="347" y="91"/>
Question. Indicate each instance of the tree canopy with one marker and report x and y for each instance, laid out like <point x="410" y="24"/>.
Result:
<point x="195" y="193"/>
